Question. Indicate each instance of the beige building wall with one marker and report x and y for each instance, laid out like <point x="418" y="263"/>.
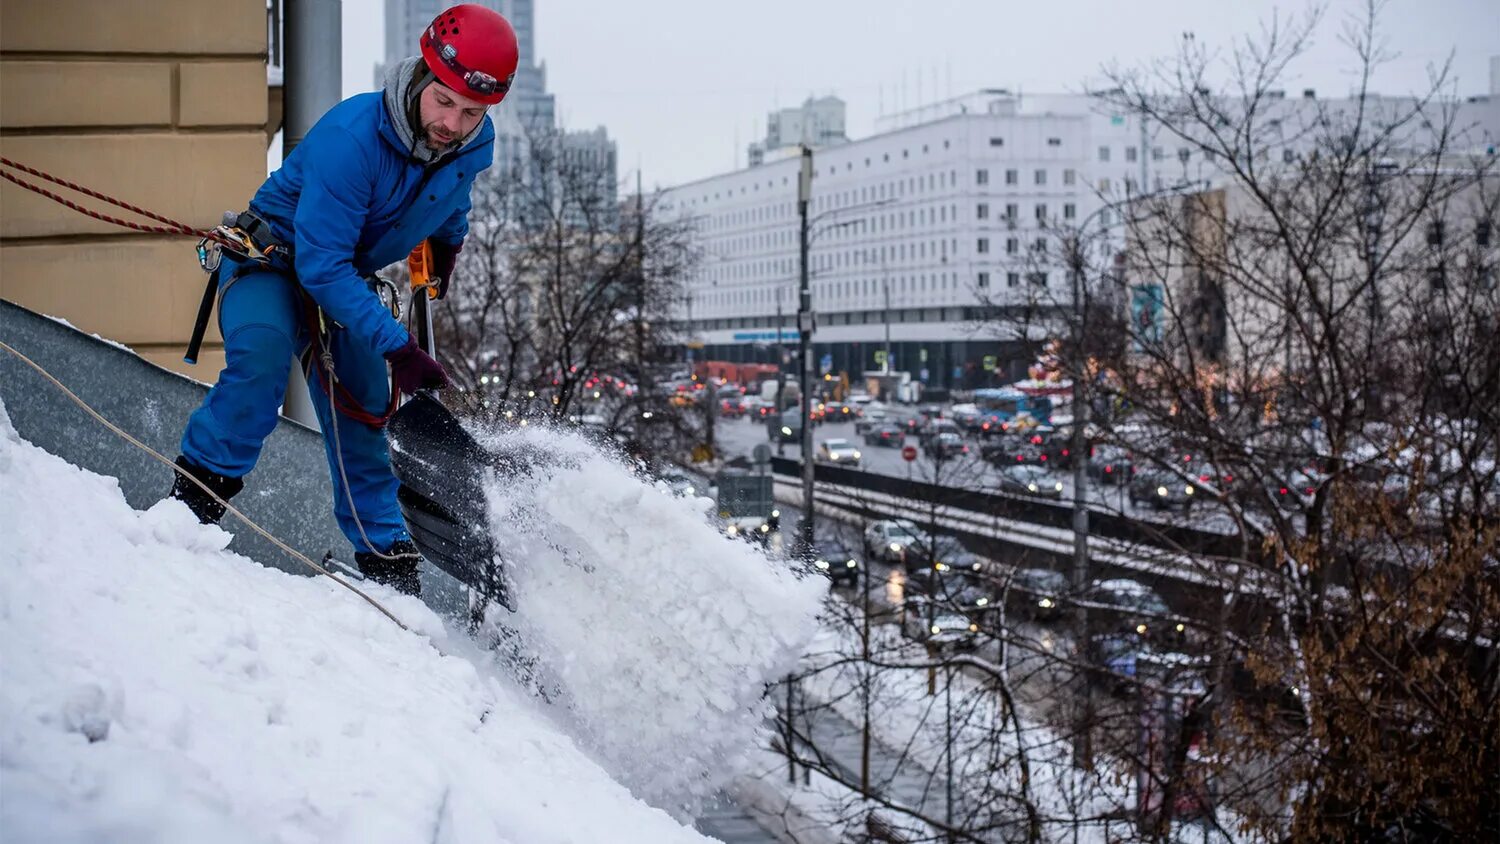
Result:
<point x="160" y="104"/>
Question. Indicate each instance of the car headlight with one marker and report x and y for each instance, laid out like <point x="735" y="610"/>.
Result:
<point x="896" y="546"/>
<point x="941" y="566"/>
<point x="975" y="567"/>
<point x="856" y="455"/>
<point x="822" y="564"/>
<point x="1045" y="603"/>
<point x="1031" y="487"/>
<point x="936" y="629"/>
<point x="1141" y="629"/>
<point x="1181" y="627"/>
<point x="775" y="514"/>
<point x="833" y="455"/>
<point x="1162" y="491"/>
<point x="785" y="431"/>
<point x="732" y="530"/>
<point x="1187" y="490"/>
<point x="852" y="564"/>
<point x="982" y="602"/>
<point x="973" y="628"/>
<point x="765" y="528"/>
<point x="1057" y="486"/>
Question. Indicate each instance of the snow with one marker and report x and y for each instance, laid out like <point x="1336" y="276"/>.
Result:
<point x="158" y="688"/>
<point x="658" y="633"/>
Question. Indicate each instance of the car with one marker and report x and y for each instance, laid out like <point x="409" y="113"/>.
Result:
<point x="868" y="420"/>
<point x="1110" y="464"/>
<point x="1297" y="489"/>
<point x="937" y="626"/>
<point x="1037" y="593"/>
<point x="732" y="407"/>
<point x="679" y="484"/>
<point x="1127" y="606"/>
<point x="935" y="426"/>
<point x="840" y="412"/>
<point x="1029" y="480"/>
<point x="833" y="559"/>
<point x="838" y="451"/>
<point x="1010" y="448"/>
<point x="946" y="445"/>
<point x="1121" y="662"/>
<point x="886" y="540"/>
<point x="1162" y="490"/>
<point x="886" y="436"/>
<point x="787" y="430"/>
<point x="967" y="416"/>
<point x="944" y="554"/>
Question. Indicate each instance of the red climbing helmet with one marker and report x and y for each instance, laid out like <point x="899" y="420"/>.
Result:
<point x="472" y="50"/>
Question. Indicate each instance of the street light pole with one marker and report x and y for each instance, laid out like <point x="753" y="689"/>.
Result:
<point x="804" y="332"/>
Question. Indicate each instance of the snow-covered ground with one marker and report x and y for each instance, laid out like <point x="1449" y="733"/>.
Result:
<point x="158" y="688"/>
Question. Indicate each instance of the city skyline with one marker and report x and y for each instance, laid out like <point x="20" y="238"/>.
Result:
<point x="684" y="103"/>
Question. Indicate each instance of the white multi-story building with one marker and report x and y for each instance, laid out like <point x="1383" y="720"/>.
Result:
<point x="816" y="123"/>
<point x="940" y="231"/>
<point x="928" y="228"/>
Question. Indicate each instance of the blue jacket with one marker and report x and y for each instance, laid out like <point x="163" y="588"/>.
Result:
<point x="351" y="200"/>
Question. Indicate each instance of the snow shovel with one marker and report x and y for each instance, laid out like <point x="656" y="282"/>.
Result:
<point x="442" y="470"/>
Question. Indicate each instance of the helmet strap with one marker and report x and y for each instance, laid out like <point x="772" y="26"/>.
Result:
<point x="419" y="82"/>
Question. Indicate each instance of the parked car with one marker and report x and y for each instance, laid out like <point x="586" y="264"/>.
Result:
<point x="1024" y="479"/>
<point x="1037" y="593"/>
<point x="887" y="540"/>
<point x="836" y="561"/>
<point x="946" y="445"/>
<point x="944" y="554"/>
<point x="838" y="451"/>
<point x="1126" y="606"/>
<point x="1161" y="490"/>
<point x="887" y="436"/>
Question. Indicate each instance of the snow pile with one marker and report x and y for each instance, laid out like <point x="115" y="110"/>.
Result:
<point x="660" y="633"/>
<point x="159" y="688"/>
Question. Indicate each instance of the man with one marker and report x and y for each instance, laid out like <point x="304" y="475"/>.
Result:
<point x="378" y="174"/>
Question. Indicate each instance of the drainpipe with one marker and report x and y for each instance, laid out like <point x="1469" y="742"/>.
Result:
<point x="312" y="84"/>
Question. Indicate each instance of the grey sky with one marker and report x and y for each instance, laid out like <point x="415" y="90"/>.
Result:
<point x="684" y="85"/>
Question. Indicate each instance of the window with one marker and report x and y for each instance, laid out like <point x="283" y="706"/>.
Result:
<point x="1438" y="277"/>
<point x="1012" y="177"/>
<point x="994" y="142"/>
<point x="1041" y="211"/>
<point x="1482" y="232"/>
<point x="1157" y="153"/>
<point x="1012" y="211"/>
<point x="1184" y="154"/>
<point x="984" y="246"/>
<point x="1012" y="245"/>
<point x="1070" y="176"/>
<point x="1103" y="153"/>
<point x="1040" y="177"/>
<point x="1104" y="185"/>
<point x="1104" y="217"/>
<point x="1287" y="156"/>
<point x="1130" y="154"/>
<point x="1037" y="279"/>
<point x="981" y="177"/>
<point x="1054" y="142"/>
<point x="1435" y="233"/>
<point x="1069" y="211"/>
<point x="984" y="279"/>
<point x="1039" y="246"/>
<point x="1012" y="279"/>
<point x="982" y="211"/>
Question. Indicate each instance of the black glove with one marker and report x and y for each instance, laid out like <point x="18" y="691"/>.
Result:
<point x="415" y="370"/>
<point x="444" y="259"/>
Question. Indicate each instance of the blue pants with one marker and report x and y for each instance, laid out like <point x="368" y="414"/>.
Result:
<point x="260" y="318"/>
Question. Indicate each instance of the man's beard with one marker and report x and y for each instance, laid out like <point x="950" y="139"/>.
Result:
<point x="434" y="138"/>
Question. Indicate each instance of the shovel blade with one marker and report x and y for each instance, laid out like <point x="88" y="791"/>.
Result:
<point x="442" y="470"/>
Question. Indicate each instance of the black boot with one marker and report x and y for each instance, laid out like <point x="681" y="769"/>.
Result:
<point x="208" y="511"/>
<point x="399" y="573"/>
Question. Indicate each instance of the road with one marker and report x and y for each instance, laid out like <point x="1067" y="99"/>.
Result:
<point x="737" y="437"/>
